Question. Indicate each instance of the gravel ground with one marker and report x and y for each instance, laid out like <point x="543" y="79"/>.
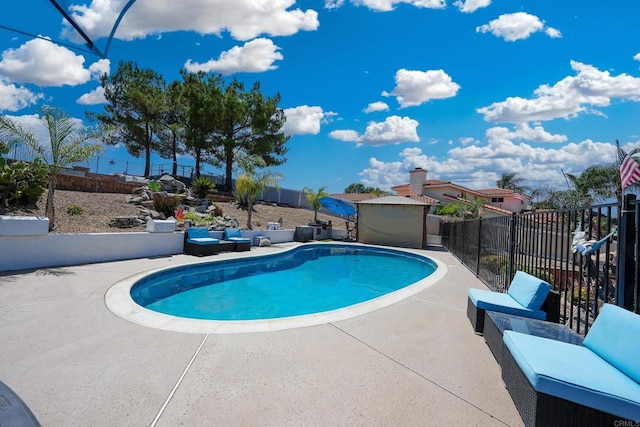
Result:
<point x="100" y="208"/>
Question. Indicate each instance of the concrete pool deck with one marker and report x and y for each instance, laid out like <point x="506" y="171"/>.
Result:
<point x="415" y="362"/>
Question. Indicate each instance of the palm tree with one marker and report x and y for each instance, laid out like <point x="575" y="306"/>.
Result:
<point x="250" y="186"/>
<point x="68" y="143"/>
<point x="314" y="199"/>
<point x="511" y="181"/>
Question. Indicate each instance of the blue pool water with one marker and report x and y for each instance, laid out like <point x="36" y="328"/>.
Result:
<point x="308" y="279"/>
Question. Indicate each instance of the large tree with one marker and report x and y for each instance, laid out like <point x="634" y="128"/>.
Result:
<point x="69" y="142"/>
<point x="134" y="110"/>
<point x="248" y="124"/>
<point x="202" y="94"/>
<point x="171" y="130"/>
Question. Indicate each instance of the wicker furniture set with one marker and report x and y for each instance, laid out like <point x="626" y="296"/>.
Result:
<point x="556" y="378"/>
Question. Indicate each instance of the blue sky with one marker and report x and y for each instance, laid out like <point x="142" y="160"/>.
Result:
<point x="371" y="88"/>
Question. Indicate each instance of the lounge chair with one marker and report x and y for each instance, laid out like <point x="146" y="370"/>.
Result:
<point x="197" y="242"/>
<point x="557" y="383"/>
<point x="234" y="235"/>
<point x="528" y="296"/>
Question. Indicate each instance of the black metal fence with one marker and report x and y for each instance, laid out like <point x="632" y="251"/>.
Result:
<point x="553" y="245"/>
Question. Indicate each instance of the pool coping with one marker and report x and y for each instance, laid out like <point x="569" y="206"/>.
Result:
<point x="118" y="300"/>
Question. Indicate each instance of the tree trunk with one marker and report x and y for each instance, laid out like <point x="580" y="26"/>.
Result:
<point x="49" y="209"/>
<point x="147" y="161"/>
<point x="174" y="169"/>
<point x="250" y="208"/>
<point x="228" y="176"/>
<point x="197" y="174"/>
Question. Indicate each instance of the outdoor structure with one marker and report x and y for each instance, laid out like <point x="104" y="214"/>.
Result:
<point x="393" y="221"/>
<point x="499" y="201"/>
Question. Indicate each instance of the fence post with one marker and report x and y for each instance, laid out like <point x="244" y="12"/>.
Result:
<point x="512" y="249"/>
<point x="479" y="246"/>
<point x="626" y="268"/>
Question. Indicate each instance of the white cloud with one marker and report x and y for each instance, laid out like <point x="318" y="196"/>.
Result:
<point x="417" y="87"/>
<point x="14" y="98"/>
<point x="376" y="106"/>
<point x="255" y="56"/>
<point x="243" y="19"/>
<point x="345" y="135"/>
<point x="470" y="6"/>
<point x="333" y="4"/>
<point x="465" y="140"/>
<point x="394" y="130"/>
<point x="389" y="5"/>
<point x="637" y="56"/>
<point x="567" y="98"/>
<point x="524" y="132"/>
<point x="44" y="63"/>
<point x="480" y="166"/>
<point x="553" y="33"/>
<point x="515" y="26"/>
<point x="94" y="97"/>
<point x="303" y="120"/>
<point x="98" y="68"/>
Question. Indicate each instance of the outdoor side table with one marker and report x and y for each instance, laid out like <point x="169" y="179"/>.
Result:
<point x="496" y="323"/>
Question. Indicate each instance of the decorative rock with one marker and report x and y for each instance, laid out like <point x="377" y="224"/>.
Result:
<point x="126" y="222"/>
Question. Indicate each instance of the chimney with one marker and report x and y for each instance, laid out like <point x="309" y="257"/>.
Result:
<point x="417" y="178"/>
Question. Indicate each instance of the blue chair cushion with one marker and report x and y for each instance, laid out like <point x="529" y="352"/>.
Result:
<point x="195" y="232"/>
<point x="528" y="290"/>
<point x="498" y="301"/>
<point x="231" y="232"/>
<point x="239" y="239"/>
<point x="203" y="240"/>
<point x="574" y="373"/>
<point x="615" y="336"/>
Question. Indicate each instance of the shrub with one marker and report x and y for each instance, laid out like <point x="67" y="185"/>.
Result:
<point x="494" y="263"/>
<point x="198" y="219"/>
<point x="154" y="186"/>
<point x="165" y="204"/>
<point x="202" y="186"/>
<point x="22" y="183"/>
<point x="75" y="210"/>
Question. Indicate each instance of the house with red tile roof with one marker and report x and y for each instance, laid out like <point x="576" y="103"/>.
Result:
<point x="498" y="201"/>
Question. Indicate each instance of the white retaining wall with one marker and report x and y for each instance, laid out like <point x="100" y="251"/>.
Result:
<point x="55" y="250"/>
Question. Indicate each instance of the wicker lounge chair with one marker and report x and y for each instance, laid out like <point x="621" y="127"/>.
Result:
<point x="197" y="242"/>
<point x="234" y="235"/>
<point x="528" y="296"/>
<point x="556" y="383"/>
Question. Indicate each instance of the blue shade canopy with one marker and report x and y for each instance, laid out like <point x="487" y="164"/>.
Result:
<point x="338" y="206"/>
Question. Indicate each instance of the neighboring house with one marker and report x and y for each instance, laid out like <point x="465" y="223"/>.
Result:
<point x="499" y="201"/>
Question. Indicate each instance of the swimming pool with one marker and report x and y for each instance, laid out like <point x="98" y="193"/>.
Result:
<point x="308" y="284"/>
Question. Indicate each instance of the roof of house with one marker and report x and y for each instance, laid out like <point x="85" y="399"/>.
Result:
<point x="396" y="200"/>
<point x="486" y="207"/>
<point x="353" y="197"/>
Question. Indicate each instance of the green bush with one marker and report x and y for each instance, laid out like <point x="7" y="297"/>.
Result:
<point x="22" y="183"/>
<point x="198" y="219"/>
<point x="75" y="210"/>
<point x="202" y="186"/>
<point x="494" y="263"/>
<point x="165" y="204"/>
<point x="154" y="186"/>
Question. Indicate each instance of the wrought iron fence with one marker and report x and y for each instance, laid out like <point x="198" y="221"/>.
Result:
<point x="553" y="245"/>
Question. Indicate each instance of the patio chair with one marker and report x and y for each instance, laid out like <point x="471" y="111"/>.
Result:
<point x="234" y="235"/>
<point x="528" y="296"/>
<point x="197" y="242"/>
<point x="557" y="383"/>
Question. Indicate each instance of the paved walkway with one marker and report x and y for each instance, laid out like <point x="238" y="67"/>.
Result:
<point x="414" y="363"/>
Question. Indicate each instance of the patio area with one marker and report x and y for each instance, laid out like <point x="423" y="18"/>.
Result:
<point x="74" y="363"/>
